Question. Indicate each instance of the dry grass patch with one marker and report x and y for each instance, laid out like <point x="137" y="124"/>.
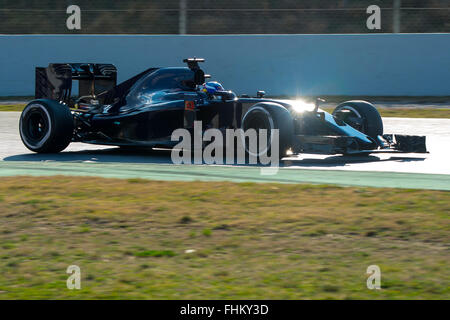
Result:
<point x="198" y="240"/>
<point x="12" y="107"/>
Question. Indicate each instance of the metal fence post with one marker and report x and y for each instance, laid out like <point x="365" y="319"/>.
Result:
<point x="396" y="16"/>
<point x="182" y="17"/>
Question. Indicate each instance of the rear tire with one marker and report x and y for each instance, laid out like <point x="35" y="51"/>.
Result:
<point x="372" y="124"/>
<point x="265" y="115"/>
<point x="46" y="126"/>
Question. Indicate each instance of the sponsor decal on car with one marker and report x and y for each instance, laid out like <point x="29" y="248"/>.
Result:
<point x="189" y="105"/>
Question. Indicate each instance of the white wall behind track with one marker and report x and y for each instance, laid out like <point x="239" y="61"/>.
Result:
<point x="358" y="64"/>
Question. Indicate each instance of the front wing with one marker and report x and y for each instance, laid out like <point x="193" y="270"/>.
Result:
<point x="349" y="145"/>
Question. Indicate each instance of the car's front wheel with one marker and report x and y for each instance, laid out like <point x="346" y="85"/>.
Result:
<point x="46" y="126"/>
<point x="361" y="115"/>
<point x="269" y="116"/>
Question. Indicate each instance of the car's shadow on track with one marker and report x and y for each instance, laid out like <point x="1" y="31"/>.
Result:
<point x="118" y="155"/>
<point x="113" y="154"/>
<point x="343" y="160"/>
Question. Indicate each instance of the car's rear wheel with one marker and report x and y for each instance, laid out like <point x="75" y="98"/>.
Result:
<point x="269" y="116"/>
<point x="361" y="115"/>
<point x="46" y="126"/>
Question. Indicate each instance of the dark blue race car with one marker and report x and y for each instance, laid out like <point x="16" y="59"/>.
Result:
<point x="145" y="110"/>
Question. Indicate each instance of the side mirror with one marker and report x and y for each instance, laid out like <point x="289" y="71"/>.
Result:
<point x="260" y="94"/>
<point x="226" y="95"/>
<point x="318" y="101"/>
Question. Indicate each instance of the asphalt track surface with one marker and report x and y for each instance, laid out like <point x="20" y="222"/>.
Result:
<point x="417" y="171"/>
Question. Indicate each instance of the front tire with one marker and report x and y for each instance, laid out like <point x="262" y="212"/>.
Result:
<point x="266" y="115"/>
<point x="46" y="126"/>
<point x="370" y="122"/>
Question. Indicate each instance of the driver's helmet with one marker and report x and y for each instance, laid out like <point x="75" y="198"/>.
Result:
<point x="211" y="87"/>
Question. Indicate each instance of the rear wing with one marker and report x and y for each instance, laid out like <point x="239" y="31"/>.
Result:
<point x="55" y="81"/>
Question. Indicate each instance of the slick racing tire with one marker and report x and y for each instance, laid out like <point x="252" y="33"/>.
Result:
<point x="46" y="126"/>
<point x="372" y="125"/>
<point x="266" y="115"/>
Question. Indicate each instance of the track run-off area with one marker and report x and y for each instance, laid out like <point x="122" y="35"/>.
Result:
<point x="395" y="170"/>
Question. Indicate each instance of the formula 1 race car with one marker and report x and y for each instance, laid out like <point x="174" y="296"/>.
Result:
<point x="144" y="111"/>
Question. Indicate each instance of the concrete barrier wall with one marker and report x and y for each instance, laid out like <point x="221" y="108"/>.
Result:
<point x="374" y="64"/>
